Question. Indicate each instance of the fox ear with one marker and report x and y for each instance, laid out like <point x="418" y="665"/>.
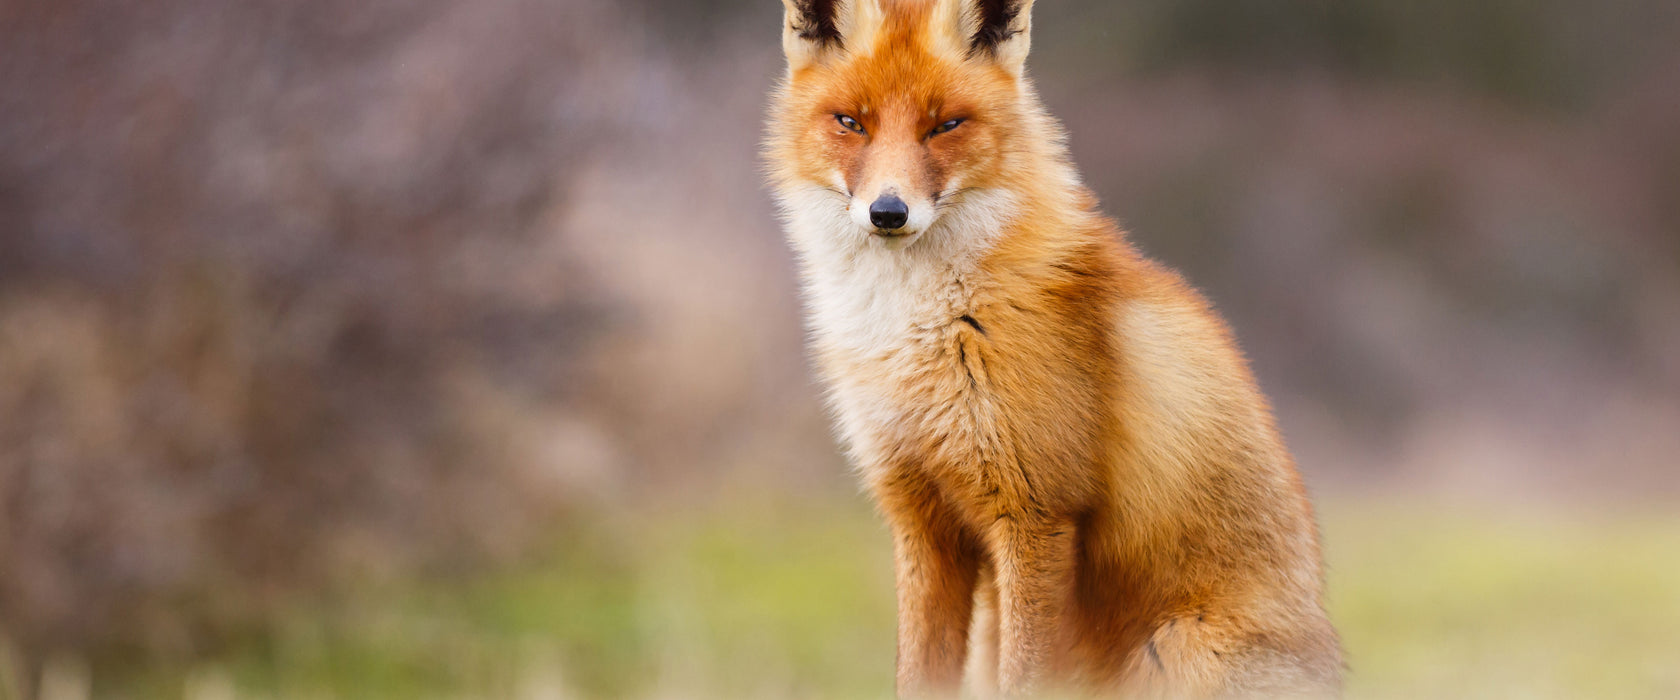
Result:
<point x="809" y="29"/>
<point x="1002" y="31"/>
<point x="813" y="30"/>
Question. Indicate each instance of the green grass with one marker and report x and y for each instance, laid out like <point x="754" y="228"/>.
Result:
<point x="796" y="602"/>
<point x="1436" y="604"/>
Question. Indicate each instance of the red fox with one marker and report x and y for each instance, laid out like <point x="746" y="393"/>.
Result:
<point x="1085" y="487"/>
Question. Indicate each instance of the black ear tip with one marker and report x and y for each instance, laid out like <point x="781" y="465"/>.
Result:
<point x="816" y="21"/>
<point x="997" y="24"/>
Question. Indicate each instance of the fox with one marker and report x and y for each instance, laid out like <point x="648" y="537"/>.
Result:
<point x="1086" y="491"/>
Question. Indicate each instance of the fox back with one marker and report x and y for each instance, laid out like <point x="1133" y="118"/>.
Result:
<point x="1086" y="489"/>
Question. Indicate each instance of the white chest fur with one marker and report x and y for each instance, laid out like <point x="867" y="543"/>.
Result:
<point x="883" y="312"/>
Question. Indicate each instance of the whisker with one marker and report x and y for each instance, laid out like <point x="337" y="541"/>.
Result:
<point x="944" y="199"/>
<point x="955" y="192"/>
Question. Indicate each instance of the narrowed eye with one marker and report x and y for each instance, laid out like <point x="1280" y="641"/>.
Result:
<point x="849" y="123"/>
<point x="947" y="126"/>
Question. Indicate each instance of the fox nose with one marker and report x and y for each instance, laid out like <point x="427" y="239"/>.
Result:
<point x="889" y="212"/>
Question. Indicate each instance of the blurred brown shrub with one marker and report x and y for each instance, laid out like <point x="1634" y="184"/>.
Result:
<point x="283" y="299"/>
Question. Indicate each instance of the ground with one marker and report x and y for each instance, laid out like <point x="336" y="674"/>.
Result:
<point x="795" y="601"/>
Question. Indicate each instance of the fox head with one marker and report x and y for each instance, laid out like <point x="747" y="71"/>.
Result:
<point x="901" y="119"/>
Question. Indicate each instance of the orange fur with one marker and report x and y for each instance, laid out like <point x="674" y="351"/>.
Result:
<point x="1085" y="487"/>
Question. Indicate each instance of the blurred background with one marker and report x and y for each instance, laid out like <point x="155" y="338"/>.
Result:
<point x="379" y="349"/>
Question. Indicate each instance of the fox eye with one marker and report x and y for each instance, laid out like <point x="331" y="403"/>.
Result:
<point x="947" y="126"/>
<point x="849" y="123"/>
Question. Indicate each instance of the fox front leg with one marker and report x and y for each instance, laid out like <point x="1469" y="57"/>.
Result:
<point x="1034" y="558"/>
<point x="936" y="569"/>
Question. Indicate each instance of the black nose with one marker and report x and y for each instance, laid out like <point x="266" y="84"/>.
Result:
<point x="889" y="212"/>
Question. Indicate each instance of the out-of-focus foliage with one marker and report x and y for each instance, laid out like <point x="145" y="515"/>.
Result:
<point x="1535" y="54"/>
<point x="281" y="300"/>
<point x="320" y="319"/>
